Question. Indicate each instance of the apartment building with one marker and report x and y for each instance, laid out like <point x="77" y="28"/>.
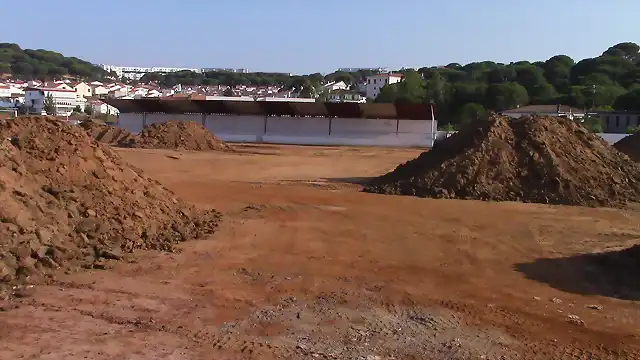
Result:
<point x="64" y="100"/>
<point x="377" y="82"/>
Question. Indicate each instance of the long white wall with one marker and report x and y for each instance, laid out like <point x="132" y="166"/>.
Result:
<point x="299" y="130"/>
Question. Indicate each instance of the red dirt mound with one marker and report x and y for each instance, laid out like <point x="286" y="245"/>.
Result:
<point x="182" y="135"/>
<point x="107" y="134"/>
<point x="68" y="201"/>
<point x="532" y="159"/>
<point x="630" y="145"/>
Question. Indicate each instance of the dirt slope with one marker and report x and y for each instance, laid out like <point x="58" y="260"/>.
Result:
<point x="111" y="135"/>
<point x="67" y="201"/>
<point x="183" y="135"/>
<point x="532" y="159"/>
<point x="630" y="145"/>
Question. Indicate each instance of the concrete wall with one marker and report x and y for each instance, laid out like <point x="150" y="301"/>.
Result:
<point x="299" y="130"/>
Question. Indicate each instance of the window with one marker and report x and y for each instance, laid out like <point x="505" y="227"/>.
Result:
<point x="386" y="81"/>
<point x="617" y="121"/>
<point x="607" y="120"/>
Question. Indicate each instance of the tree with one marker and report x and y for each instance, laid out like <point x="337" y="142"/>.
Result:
<point x="308" y="91"/>
<point x="506" y="96"/>
<point x="43" y="64"/>
<point x="593" y="124"/>
<point x="411" y="89"/>
<point x="471" y="112"/>
<point x="88" y="109"/>
<point x="228" y="92"/>
<point x="388" y="94"/>
<point x="627" y="50"/>
<point x="49" y="105"/>
<point x="77" y="109"/>
<point x="628" y="102"/>
<point x="633" y="130"/>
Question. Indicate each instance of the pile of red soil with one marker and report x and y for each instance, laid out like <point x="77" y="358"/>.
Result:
<point x="111" y="135"/>
<point x="181" y="135"/>
<point x="630" y="145"/>
<point x="532" y="159"/>
<point x="68" y="201"/>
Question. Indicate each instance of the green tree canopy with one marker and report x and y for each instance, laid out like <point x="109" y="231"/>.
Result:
<point x="42" y="64"/>
<point x="506" y="96"/>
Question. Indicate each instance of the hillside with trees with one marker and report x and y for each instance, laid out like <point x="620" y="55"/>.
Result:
<point x="28" y="64"/>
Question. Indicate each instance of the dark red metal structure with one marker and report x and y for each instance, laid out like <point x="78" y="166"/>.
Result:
<point x="275" y="108"/>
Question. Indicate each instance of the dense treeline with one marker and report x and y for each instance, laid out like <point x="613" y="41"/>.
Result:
<point x="257" y="79"/>
<point x="27" y="64"/>
<point x="463" y="92"/>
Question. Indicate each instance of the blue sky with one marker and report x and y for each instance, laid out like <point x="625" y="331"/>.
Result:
<point x="304" y="36"/>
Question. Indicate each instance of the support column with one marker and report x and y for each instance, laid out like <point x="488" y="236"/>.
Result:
<point x="397" y="126"/>
<point x="330" y="121"/>
<point x="144" y="120"/>
<point x="204" y="120"/>
<point x="260" y="137"/>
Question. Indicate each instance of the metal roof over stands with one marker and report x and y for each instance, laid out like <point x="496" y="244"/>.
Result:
<point x="275" y="108"/>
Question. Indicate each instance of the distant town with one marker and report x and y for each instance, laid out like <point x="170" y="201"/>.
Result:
<point x="64" y="97"/>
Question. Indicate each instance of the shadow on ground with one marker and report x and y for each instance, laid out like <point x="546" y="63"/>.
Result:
<point x="350" y="180"/>
<point x="613" y="274"/>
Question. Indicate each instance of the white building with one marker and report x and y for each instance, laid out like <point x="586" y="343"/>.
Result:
<point x="239" y="71"/>
<point x="346" y="96"/>
<point x="136" y="72"/>
<point x="64" y="100"/>
<point x="100" y="107"/>
<point x="100" y="90"/>
<point x="333" y="86"/>
<point x="83" y="89"/>
<point x="6" y="100"/>
<point x="377" y="82"/>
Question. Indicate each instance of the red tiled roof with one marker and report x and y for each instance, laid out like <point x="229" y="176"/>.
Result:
<point x="50" y="89"/>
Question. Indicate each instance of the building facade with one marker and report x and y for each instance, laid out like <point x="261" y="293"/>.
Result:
<point x="377" y="82"/>
<point x="619" y="122"/>
<point x="346" y="96"/>
<point x="83" y="89"/>
<point x="64" y="100"/>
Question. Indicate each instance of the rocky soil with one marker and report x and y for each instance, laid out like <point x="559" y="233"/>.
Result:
<point x="181" y="135"/>
<point x="532" y="159"/>
<point x="111" y="135"/>
<point x="69" y="201"/>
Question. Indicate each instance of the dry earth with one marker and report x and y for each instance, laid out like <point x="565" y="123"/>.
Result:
<point x="306" y="266"/>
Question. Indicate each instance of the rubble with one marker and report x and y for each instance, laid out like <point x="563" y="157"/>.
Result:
<point x="69" y="201"/>
<point x="181" y="135"/>
<point x="536" y="159"/>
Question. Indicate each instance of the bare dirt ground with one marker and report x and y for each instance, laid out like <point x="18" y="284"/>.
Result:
<point x="306" y="266"/>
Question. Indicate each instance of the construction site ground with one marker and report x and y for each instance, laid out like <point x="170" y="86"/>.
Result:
<point x="307" y="266"/>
